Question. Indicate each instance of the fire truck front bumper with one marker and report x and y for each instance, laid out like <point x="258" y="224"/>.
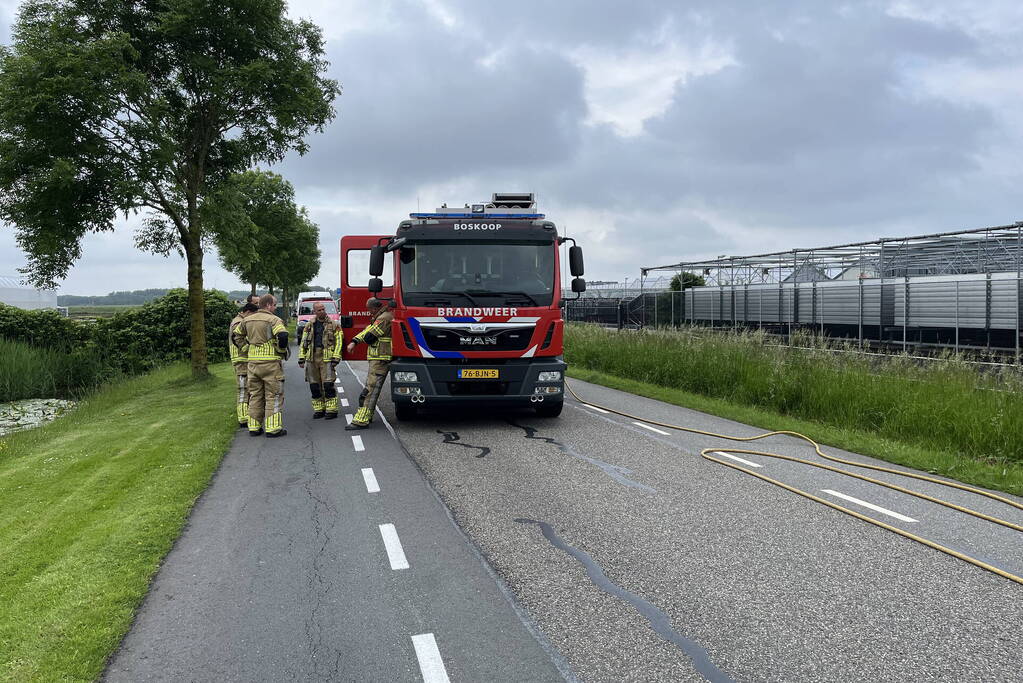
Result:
<point x="512" y="382"/>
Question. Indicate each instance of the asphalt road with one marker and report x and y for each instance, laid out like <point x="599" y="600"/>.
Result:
<point x="612" y="553"/>
<point x="283" y="573"/>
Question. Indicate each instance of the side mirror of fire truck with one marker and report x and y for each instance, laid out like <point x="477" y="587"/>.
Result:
<point x="376" y="285"/>
<point x="376" y="261"/>
<point x="575" y="262"/>
<point x="578" y="285"/>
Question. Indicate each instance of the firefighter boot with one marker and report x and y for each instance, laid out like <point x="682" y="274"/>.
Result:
<point x="330" y="400"/>
<point x="318" y="407"/>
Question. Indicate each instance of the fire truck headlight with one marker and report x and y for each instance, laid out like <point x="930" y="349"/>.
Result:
<point x="549" y="376"/>
<point x="406" y="377"/>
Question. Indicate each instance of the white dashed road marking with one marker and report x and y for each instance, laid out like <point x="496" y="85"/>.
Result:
<point x="737" y="459"/>
<point x="371" y="480"/>
<point x="430" y="663"/>
<point x="395" y="554"/>
<point x="344" y="403"/>
<point x="599" y="410"/>
<point x="652" y="429"/>
<point x="357" y="442"/>
<point x="348" y="418"/>
<point x="871" y="506"/>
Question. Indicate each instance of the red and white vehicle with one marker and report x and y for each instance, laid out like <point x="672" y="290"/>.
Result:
<point x="304" y="308"/>
<point x="476" y="300"/>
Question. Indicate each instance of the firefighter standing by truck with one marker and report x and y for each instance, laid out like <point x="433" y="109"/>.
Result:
<point x="267" y="340"/>
<point x="377" y="336"/>
<point x="319" y="353"/>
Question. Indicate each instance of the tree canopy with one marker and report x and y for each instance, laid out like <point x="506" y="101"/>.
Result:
<point x="262" y="235"/>
<point x="685" y="280"/>
<point x="112" y="107"/>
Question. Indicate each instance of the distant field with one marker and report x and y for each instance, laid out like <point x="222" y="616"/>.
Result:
<point x="98" y="311"/>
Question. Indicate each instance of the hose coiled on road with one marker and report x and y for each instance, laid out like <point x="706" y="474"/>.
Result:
<point x="706" y="453"/>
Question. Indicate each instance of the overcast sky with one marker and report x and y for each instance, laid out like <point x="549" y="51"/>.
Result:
<point x="653" y="131"/>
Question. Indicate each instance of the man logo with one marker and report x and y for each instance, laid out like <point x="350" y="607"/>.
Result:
<point x="478" y="327"/>
<point x="477" y="341"/>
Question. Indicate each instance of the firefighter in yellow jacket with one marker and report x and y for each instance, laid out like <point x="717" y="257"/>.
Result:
<point x="240" y="361"/>
<point x="319" y="353"/>
<point x="377" y="336"/>
<point x="267" y="340"/>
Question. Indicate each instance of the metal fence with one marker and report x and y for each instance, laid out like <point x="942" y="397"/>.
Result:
<point x="960" y="312"/>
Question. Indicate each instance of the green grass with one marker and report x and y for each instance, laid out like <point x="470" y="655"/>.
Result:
<point x="32" y="372"/>
<point x="944" y="418"/>
<point x="89" y="505"/>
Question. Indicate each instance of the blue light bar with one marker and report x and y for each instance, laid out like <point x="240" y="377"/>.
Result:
<point x="530" y="216"/>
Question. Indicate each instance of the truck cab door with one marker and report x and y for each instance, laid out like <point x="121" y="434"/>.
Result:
<point x="355" y="285"/>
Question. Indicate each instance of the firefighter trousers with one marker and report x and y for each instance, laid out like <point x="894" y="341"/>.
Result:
<point x="375" y="379"/>
<point x="242" y="402"/>
<point x="266" y="396"/>
<point x="321" y="377"/>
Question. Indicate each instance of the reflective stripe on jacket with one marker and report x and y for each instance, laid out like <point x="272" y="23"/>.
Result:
<point x="333" y="341"/>
<point x="381" y="329"/>
<point x="238" y="355"/>
<point x="259" y="332"/>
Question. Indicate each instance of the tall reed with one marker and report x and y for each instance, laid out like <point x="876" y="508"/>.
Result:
<point x="32" y="372"/>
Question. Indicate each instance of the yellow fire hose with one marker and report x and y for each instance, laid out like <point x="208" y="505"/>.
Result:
<point x="706" y="453"/>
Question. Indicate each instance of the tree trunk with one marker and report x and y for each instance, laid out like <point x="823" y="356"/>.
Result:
<point x="196" y="308"/>
<point x="253" y="288"/>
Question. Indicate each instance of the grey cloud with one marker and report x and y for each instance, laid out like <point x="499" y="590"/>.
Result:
<point x="820" y="132"/>
<point x="420" y="105"/>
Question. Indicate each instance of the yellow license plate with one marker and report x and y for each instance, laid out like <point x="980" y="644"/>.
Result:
<point x="471" y="373"/>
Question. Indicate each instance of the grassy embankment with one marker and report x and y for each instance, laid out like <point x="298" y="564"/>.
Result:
<point x="89" y="505"/>
<point x="942" y="417"/>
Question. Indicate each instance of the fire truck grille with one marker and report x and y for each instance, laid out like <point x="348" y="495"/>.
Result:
<point x="514" y="339"/>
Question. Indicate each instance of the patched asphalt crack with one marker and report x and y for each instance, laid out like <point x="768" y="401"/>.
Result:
<point x="318" y="581"/>
<point x="453" y="439"/>
<point x="659" y="621"/>
<point x="616" y="472"/>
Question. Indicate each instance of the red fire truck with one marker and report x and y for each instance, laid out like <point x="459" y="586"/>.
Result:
<point x="476" y="297"/>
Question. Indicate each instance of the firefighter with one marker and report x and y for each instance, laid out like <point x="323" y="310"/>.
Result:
<point x="377" y="336"/>
<point x="267" y="340"/>
<point x="319" y="353"/>
<point x="240" y="360"/>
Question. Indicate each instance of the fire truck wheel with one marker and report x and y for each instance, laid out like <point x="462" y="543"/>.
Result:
<point x="549" y="409"/>
<point x="404" y="412"/>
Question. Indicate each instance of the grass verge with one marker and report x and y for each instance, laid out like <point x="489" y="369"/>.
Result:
<point x="933" y="420"/>
<point x="1006" y="477"/>
<point x="90" y="505"/>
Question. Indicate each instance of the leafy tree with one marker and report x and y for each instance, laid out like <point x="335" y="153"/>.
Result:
<point x="111" y="107"/>
<point x="685" y="280"/>
<point x="263" y="236"/>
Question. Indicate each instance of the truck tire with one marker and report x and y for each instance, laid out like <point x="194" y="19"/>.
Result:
<point x="404" y="412"/>
<point x="549" y="409"/>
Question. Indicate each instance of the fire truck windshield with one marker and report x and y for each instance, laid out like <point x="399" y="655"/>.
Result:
<point x="490" y="272"/>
